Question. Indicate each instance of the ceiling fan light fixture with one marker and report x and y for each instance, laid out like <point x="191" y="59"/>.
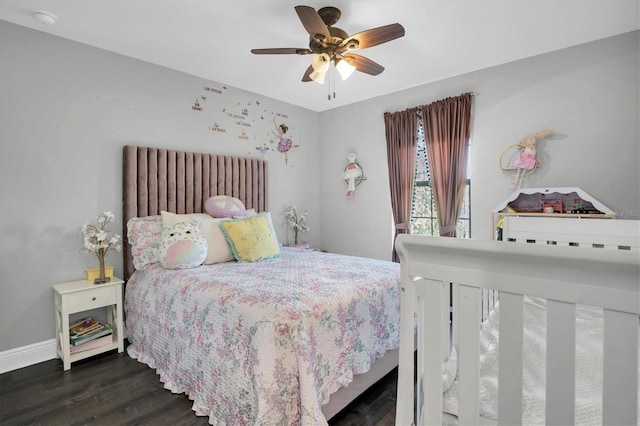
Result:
<point x="318" y="77"/>
<point x="345" y="68"/>
<point x="320" y="64"/>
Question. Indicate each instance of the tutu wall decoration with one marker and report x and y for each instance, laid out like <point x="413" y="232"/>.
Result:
<point x="353" y="175"/>
<point x="520" y="160"/>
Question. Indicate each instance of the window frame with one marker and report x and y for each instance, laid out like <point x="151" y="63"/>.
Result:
<point x="434" y="218"/>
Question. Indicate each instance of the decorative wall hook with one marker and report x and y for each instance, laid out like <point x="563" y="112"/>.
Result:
<point x="353" y="175"/>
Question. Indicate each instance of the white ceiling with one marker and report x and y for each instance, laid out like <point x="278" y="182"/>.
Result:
<point x="212" y="39"/>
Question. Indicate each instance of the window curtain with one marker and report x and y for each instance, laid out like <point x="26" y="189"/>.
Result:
<point x="447" y="129"/>
<point x="400" y="129"/>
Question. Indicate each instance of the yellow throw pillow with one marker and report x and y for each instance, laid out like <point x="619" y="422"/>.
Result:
<point x="251" y="239"/>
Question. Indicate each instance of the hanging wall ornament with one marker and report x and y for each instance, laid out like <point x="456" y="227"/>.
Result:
<point x="520" y="160"/>
<point x="353" y="175"/>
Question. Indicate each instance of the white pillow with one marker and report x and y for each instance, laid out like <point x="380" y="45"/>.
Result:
<point x="218" y="247"/>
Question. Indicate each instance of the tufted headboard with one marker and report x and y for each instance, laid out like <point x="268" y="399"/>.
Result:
<point x="156" y="179"/>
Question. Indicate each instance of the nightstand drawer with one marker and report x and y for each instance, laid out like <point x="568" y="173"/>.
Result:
<point x="94" y="298"/>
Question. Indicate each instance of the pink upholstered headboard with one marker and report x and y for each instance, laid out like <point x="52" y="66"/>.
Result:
<point x="180" y="182"/>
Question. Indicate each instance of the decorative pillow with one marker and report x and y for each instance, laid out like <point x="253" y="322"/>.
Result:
<point x="182" y="246"/>
<point x="143" y="233"/>
<point x="252" y="238"/>
<point x="218" y="250"/>
<point x="247" y="213"/>
<point x="252" y="212"/>
<point x="224" y="206"/>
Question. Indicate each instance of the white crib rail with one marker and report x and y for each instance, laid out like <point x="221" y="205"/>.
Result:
<point x="563" y="275"/>
<point x="584" y="233"/>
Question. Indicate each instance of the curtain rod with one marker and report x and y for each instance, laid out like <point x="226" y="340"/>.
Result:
<point x="419" y="107"/>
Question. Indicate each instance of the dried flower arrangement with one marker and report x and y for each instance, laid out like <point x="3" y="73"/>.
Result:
<point x="295" y="222"/>
<point x="96" y="239"/>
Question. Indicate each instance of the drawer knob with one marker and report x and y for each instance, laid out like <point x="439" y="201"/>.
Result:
<point x="93" y="298"/>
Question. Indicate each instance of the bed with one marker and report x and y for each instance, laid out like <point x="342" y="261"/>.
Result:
<point x="291" y="339"/>
<point x="564" y="333"/>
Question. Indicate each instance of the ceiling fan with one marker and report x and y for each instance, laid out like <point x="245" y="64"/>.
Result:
<point x="332" y="44"/>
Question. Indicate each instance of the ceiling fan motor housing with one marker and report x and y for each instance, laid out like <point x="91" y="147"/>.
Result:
<point x="330" y="15"/>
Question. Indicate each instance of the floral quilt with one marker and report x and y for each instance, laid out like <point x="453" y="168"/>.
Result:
<point x="265" y="342"/>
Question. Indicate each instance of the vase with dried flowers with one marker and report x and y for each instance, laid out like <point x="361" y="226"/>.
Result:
<point x="296" y="222"/>
<point x="96" y="239"/>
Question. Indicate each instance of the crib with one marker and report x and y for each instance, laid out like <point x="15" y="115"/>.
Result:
<point x="593" y="263"/>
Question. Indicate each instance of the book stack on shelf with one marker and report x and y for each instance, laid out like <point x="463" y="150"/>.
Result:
<point x="89" y="334"/>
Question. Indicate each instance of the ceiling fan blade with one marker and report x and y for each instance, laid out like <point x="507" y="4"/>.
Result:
<point x="281" y="51"/>
<point x="363" y="64"/>
<point x="312" y="22"/>
<point x="307" y="73"/>
<point x="374" y="36"/>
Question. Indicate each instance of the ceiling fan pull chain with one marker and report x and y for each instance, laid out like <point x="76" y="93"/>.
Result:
<point x="333" y="80"/>
<point x="329" y="84"/>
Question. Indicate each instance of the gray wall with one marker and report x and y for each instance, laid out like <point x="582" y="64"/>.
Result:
<point x="589" y="95"/>
<point x="67" y="109"/>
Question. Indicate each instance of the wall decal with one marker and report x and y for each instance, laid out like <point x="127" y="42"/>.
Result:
<point x="213" y="89"/>
<point x="240" y="119"/>
<point x="244" y="119"/>
<point x="198" y="104"/>
<point x="216" y="128"/>
<point x="284" y="142"/>
<point x="262" y="149"/>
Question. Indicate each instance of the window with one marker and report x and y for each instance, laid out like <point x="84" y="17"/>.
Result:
<point x="424" y="218"/>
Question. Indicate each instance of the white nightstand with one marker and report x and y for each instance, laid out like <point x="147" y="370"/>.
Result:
<point x="78" y="296"/>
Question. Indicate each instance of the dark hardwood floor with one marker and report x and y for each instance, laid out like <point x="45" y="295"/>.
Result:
<point x="113" y="389"/>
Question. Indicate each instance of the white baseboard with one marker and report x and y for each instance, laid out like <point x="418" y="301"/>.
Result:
<point x="27" y="355"/>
